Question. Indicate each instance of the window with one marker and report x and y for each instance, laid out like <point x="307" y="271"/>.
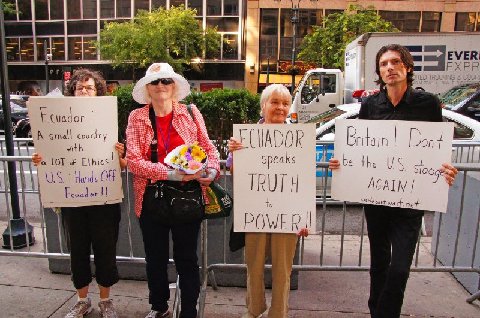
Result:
<point x="460" y="131"/>
<point x="224" y="24"/>
<point x="141" y="5"/>
<point x="10" y="16"/>
<point x="82" y="48"/>
<point x="40" y="48"/>
<point x="74" y="48"/>
<point x="107" y="8"/>
<point x="230" y="46"/>
<point x="159" y="3"/>
<point x="89" y="48"/>
<point x="13" y="49"/>
<point x="25" y="8"/>
<point x="58" y="48"/>
<point x="26" y="49"/>
<point x="73" y="9"/>
<point x="123" y="8"/>
<point x="431" y="21"/>
<point x="177" y="3"/>
<point x="56" y="9"/>
<point x="312" y="87"/>
<point x="467" y="21"/>
<point x="41" y="9"/>
<point x="405" y="21"/>
<point x="214" y="7"/>
<point x="18" y="29"/>
<point x="82" y="27"/>
<point x="230" y="7"/>
<point x="197" y="5"/>
<point x="89" y="9"/>
<point x="48" y="28"/>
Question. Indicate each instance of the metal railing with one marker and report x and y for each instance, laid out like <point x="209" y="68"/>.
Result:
<point x="347" y="252"/>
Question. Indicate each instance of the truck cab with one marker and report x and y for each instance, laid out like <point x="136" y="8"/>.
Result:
<point x="319" y="90"/>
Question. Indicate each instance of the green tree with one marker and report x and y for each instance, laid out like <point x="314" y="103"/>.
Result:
<point x="325" y="46"/>
<point x="173" y="36"/>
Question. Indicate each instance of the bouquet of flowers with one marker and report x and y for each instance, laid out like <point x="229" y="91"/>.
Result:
<point x="187" y="158"/>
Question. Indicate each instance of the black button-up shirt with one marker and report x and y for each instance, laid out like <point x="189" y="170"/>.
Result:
<point x="415" y="105"/>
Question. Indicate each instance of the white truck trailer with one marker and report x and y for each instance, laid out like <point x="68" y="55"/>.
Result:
<point x="442" y="60"/>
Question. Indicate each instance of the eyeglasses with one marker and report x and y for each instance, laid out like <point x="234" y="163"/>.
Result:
<point x="88" y="88"/>
<point x="164" y="81"/>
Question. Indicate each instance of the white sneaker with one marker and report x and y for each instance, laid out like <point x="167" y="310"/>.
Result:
<point x="80" y="309"/>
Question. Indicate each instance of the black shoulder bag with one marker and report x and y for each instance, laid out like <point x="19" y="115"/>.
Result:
<point x="171" y="202"/>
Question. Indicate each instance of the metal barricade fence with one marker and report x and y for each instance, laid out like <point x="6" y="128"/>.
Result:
<point x="317" y="253"/>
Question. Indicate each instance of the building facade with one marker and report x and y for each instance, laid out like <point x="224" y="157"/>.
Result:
<point x="256" y="35"/>
<point x="269" y="36"/>
<point x="66" y="29"/>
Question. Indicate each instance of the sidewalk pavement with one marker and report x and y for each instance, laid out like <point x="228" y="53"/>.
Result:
<point x="28" y="289"/>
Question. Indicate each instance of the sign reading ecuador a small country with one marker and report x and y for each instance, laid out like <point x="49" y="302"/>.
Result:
<point x="274" y="178"/>
<point x="392" y="163"/>
<point x="76" y="138"/>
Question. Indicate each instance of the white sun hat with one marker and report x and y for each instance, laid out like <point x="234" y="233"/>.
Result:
<point x="157" y="71"/>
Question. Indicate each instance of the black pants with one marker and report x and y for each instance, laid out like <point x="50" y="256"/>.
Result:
<point x="156" y="243"/>
<point x="92" y="227"/>
<point x="393" y="235"/>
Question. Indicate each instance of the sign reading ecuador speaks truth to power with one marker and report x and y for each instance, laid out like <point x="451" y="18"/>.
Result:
<point x="76" y="137"/>
<point x="392" y="163"/>
<point x="274" y="178"/>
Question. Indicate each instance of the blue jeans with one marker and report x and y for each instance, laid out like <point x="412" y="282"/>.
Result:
<point x="393" y="235"/>
<point x="156" y="243"/>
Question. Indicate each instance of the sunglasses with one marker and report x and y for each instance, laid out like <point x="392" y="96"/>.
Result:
<point x="164" y="81"/>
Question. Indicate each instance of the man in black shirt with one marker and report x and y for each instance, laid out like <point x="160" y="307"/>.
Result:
<point x="393" y="232"/>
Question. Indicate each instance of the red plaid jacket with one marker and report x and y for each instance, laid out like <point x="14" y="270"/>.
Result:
<point x="140" y="135"/>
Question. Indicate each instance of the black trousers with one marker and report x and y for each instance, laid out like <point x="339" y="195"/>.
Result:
<point x="393" y="235"/>
<point x="156" y="243"/>
<point x="92" y="227"/>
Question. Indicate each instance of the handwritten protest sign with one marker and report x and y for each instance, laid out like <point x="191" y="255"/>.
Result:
<point x="392" y="163"/>
<point x="76" y="137"/>
<point x="274" y="178"/>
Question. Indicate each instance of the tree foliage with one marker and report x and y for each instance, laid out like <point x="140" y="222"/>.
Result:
<point x="173" y="36"/>
<point x="325" y="46"/>
<point x="8" y="7"/>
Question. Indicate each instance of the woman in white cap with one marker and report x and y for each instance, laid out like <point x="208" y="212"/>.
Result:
<point x="160" y="90"/>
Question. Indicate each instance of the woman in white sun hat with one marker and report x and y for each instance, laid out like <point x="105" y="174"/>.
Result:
<point x="160" y="90"/>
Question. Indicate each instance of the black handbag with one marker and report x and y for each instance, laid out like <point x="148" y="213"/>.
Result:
<point x="172" y="202"/>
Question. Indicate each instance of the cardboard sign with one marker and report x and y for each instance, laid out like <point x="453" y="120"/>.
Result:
<point x="76" y="138"/>
<point x="392" y="163"/>
<point x="274" y="178"/>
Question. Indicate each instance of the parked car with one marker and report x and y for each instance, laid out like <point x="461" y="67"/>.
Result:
<point x="18" y="109"/>
<point x="466" y="138"/>
<point x="463" y="99"/>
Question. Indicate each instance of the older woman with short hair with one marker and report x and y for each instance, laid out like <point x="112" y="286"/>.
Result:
<point x="275" y="103"/>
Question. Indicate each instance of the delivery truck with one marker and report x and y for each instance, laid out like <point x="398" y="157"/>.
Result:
<point x="442" y="60"/>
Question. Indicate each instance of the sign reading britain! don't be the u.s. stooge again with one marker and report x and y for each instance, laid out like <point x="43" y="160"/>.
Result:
<point x="392" y="163"/>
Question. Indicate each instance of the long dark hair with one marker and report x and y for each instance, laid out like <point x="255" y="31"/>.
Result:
<point x="405" y="56"/>
<point x="84" y="74"/>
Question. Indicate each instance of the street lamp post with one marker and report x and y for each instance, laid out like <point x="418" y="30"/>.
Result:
<point x="18" y="233"/>
<point x="294" y="20"/>
<point x="294" y="44"/>
<point x="48" y="57"/>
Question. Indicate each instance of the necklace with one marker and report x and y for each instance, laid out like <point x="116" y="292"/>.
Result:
<point x="166" y="140"/>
